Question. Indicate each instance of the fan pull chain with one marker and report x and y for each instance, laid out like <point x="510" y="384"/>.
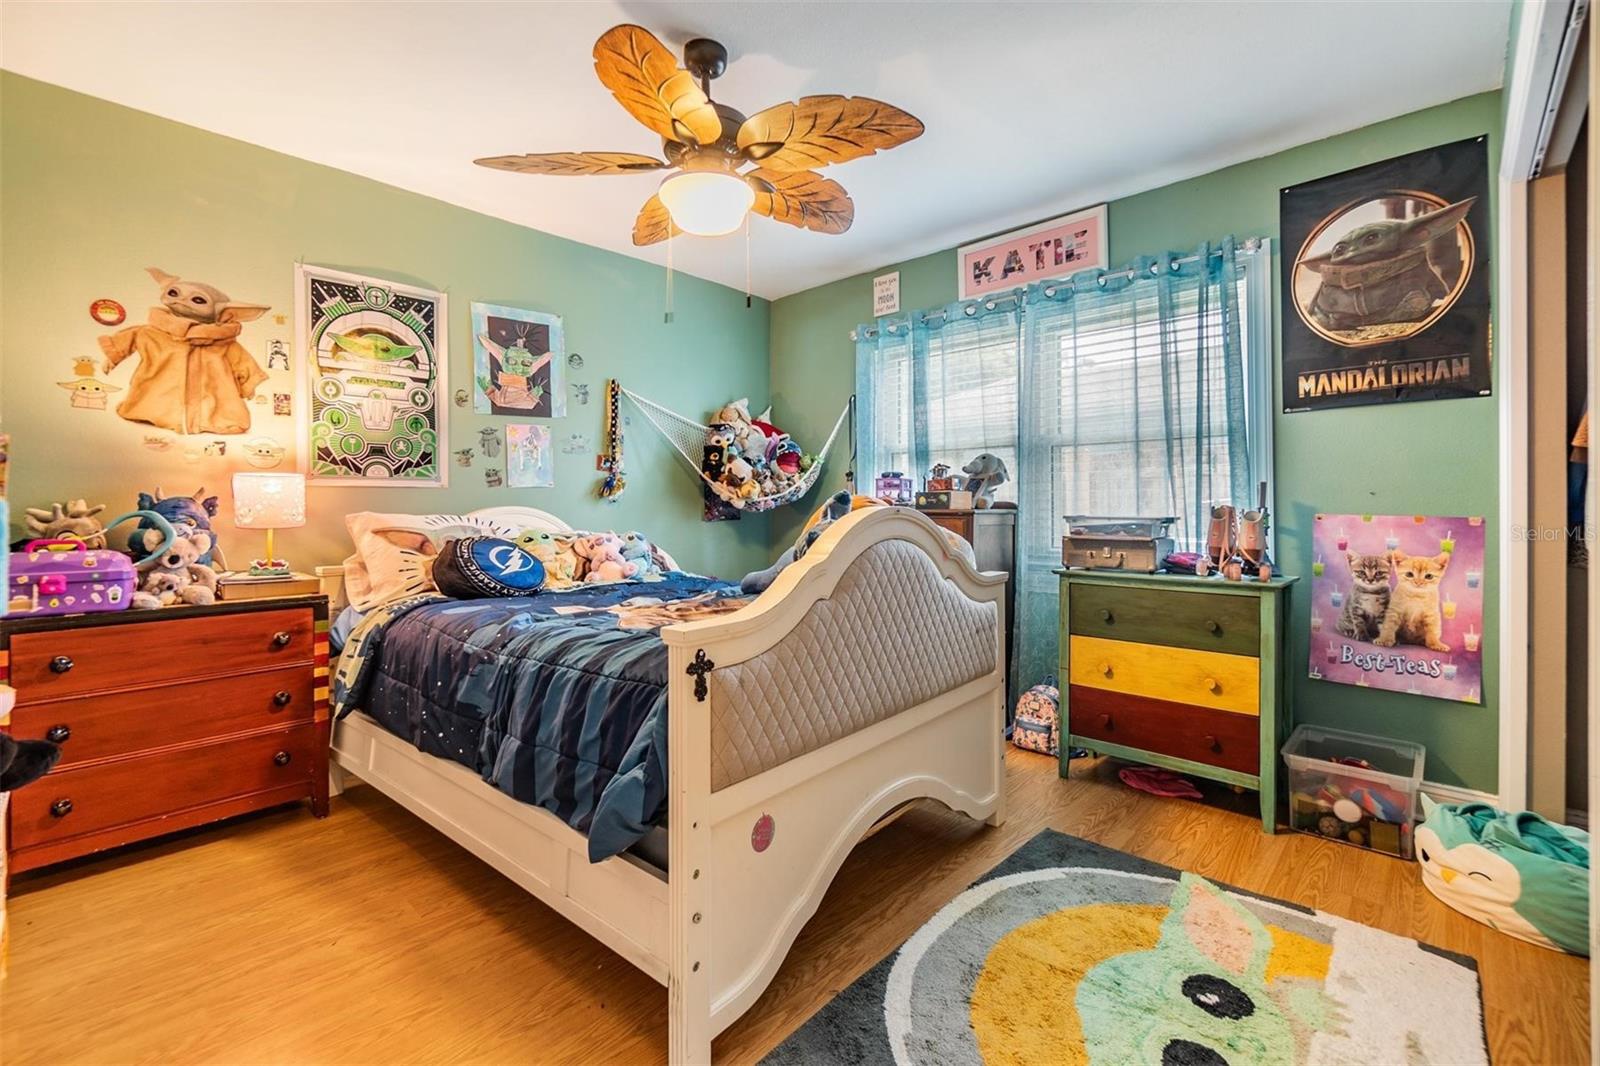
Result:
<point x="747" y="261"/>
<point x="667" y="316"/>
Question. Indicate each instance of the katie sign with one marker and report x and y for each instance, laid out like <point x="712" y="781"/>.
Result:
<point x="1045" y="252"/>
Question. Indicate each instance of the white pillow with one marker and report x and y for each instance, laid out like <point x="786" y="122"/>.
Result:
<point x="394" y="552"/>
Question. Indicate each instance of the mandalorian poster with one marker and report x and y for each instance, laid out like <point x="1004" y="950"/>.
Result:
<point x="1386" y="281"/>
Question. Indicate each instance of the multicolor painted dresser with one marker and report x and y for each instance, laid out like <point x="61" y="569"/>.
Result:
<point x="1176" y="671"/>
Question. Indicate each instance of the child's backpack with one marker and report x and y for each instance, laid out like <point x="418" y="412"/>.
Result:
<point x="1037" y="726"/>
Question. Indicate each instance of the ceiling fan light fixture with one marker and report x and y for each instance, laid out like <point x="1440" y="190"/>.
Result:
<point x="707" y="203"/>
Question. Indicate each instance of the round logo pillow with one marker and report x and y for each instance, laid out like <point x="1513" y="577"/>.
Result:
<point x="475" y="567"/>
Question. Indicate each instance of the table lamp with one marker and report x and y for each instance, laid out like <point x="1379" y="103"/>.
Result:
<point x="269" y="502"/>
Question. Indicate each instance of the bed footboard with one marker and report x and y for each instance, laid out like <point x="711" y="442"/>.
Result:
<point x="870" y="674"/>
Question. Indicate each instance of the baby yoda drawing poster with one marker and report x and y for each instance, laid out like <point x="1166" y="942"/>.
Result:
<point x="517" y="362"/>
<point x="529" y="461"/>
<point x="377" y="358"/>
<point x="1397" y="603"/>
<point x="1386" y="278"/>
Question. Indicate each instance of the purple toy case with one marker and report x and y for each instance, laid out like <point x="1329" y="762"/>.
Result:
<point x="64" y="577"/>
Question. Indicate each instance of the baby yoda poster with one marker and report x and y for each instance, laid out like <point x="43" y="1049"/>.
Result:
<point x="517" y="362"/>
<point x="377" y="358"/>
<point x="1397" y="603"/>
<point x="1386" y="281"/>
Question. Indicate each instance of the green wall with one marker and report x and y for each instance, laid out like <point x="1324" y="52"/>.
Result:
<point x="91" y="193"/>
<point x="1435" y="458"/>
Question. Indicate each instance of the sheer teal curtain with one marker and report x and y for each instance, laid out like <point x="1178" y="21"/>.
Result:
<point x="938" y="386"/>
<point x="1133" y="403"/>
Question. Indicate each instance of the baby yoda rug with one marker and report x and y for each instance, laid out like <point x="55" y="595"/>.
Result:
<point x="1069" y="952"/>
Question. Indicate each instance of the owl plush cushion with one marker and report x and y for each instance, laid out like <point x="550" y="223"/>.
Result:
<point x="1516" y="873"/>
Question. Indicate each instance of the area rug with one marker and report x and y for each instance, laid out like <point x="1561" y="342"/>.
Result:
<point x="1069" y="952"/>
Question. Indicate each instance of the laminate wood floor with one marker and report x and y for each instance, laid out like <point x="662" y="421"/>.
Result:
<point x="370" y="938"/>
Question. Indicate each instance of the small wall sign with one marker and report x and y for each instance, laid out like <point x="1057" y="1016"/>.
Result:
<point x="1048" y="251"/>
<point x="886" y="294"/>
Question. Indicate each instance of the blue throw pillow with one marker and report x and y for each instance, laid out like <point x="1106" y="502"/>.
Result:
<point x="476" y="567"/>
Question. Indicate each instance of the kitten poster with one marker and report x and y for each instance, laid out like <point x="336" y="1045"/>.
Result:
<point x="1386" y="281"/>
<point x="1397" y="603"/>
<point x="529" y="462"/>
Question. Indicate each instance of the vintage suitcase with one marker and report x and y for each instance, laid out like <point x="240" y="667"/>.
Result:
<point x="64" y="577"/>
<point x="1110" y="543"/>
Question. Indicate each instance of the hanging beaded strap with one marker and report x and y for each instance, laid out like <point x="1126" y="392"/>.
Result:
<point x="612" y="484"/>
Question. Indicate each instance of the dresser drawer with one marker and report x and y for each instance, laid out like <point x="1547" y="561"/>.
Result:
<point x="91" y="798"/>
<point x="123" y="723"/>
<point x="1216" y="738"/>
<point x="1206" y="621"/>
<point x="71" y="662"/>
<point x="1178" y="675"/>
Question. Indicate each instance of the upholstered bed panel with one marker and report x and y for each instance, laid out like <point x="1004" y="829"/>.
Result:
<point x="894" y="634"/>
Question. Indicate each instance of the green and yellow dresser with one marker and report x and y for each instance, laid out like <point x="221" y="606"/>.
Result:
<point x="1177" y="671"/>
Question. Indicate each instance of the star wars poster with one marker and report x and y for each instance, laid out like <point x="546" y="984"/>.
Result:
<point x="1397" y="603"/>
<point x="1386" y="281"/>
<point x="376" y="354"/>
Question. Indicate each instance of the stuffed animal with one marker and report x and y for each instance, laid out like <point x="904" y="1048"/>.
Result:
<point x="560" y="561"/>
<point x="193" y="376"/>
<point x="73" y="519"/>
<point x="188" y="514"/>
<point x="178" y="576"/>
<point x="639" y="551"/>
<point x="837" y="506"/>
<point x="985" y="474"/>
<point x="602" y="552"/>
<point x="23" y="762"/>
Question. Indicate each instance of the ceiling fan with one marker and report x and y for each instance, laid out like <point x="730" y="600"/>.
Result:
<point x="708" y="145"/>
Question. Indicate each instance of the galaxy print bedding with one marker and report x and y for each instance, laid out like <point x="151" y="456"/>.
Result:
<point x="558" y="699"/>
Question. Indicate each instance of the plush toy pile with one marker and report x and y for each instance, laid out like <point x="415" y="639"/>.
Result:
<point x="593" y="558"/>
<point x="749" y="458"/>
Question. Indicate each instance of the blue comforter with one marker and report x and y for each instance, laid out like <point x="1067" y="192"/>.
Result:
<point x="558" y="700"/>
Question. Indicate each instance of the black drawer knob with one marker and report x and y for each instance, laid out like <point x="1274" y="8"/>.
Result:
<point x="1211" y="624"/>
<point x="1105" y="721"/>
<point x="61" y="808"/>
<point x="58" y="734"/>
<point x="281" y="759"/>
<point x="280" y="639"/>
<point x="1211" y="743"/>
<point x="61" y="664"/>
<point x="281" y="698"/>
<point x="1105" y="614"/>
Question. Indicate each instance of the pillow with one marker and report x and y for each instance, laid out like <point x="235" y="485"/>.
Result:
<point x="393" y="558"/>
<point x="476" y="567"/>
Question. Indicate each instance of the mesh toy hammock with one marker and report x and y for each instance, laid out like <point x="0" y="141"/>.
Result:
<point x="688" y="439"/>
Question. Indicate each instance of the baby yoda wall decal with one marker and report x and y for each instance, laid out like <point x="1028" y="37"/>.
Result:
<point x="193" y="374"/>
<point x="1388" y="271"/>
<point x="489" y="442"/>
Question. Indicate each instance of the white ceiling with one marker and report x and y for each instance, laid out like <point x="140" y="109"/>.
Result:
<point x="1031" y="109"/>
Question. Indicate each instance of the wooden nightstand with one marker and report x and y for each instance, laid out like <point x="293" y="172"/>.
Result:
<point x="1188" y="673"/>
<point x="166" y="719"/>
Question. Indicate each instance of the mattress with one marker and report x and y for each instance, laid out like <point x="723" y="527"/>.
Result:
<point x="558" y="700"/>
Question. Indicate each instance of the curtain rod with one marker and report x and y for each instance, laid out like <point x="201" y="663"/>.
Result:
<point x="1248" y="246"/>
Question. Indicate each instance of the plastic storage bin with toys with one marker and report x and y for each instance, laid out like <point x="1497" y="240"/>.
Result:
<point x="1354" y="788"/>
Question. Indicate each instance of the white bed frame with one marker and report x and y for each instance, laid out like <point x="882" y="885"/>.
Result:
<point x="715" y="927"/>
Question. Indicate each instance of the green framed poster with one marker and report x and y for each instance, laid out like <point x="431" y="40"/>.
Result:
<point x="377" y="356"/>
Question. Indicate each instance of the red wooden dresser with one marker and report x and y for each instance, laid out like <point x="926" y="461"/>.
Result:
<point x="166" y="719"/>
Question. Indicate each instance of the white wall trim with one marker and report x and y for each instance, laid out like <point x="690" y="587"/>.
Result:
<point x="1539" y="36"/>
<point x="1456" y="794"/>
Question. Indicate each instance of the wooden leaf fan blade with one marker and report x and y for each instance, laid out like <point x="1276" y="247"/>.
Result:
<point x="649" y="84"/>
<point x="801" y="198"/>
<point x="654" y="223"/>
<point x="573" y="164"/>
<point x="818" y="130"/>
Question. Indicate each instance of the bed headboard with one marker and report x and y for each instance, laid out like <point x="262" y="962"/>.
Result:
<point x="507" y="521"/>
